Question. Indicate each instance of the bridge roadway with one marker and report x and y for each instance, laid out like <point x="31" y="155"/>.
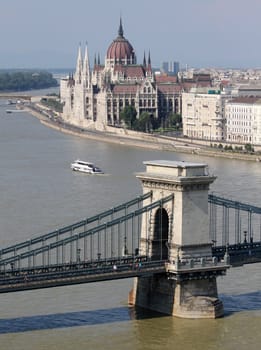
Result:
<point x="240" y="253"/>
<point x="54" y="275"/>
<point x="47" y="276"/>
<point x="14" y="280"/>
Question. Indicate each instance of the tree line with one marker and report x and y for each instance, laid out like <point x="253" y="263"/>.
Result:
<point x="26" y="80"/>
<point x="147" y="122"/>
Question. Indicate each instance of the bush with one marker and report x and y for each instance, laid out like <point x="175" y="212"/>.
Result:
<point x="249" y="147"/>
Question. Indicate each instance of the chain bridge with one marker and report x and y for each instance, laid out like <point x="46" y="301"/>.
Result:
<point x="136" y="239"/>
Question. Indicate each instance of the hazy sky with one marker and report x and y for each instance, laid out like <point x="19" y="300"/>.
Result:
<point x="200" y="33"/>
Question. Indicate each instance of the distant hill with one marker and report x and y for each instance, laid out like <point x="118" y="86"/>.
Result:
<point x="19" y="80"/>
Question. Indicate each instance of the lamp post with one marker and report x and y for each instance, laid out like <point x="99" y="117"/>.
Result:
<point x="245" y="236"/>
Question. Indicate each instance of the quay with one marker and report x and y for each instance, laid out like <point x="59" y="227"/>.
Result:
<point x="15" y="96"/>
<point x="137" y="139"/>
<point x="128" y="137"/>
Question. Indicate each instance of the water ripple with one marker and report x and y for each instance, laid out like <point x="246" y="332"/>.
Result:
<point x="241" y="302"/>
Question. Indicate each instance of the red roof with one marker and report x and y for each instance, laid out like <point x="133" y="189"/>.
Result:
<point x="130" y="71"/>
<point x="125" y="88"/>
<point x="165" y="78"/>
<point x="169" y="88"/>
<point x="186" y="86"/>
<point x="245" y="100"/>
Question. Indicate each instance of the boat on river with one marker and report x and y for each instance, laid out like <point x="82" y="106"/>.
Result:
<point x="14" y="111"/>
<point x="85" y="167"/>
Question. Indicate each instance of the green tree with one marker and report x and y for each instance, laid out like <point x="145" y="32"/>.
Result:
<point x="174" y="120"/>
<point x="26" y="80"/>
<point x="249" y="147"/>
<point x="128" y="116"/>
<point x="53" y="104"/>
<point x="143" y="123"/>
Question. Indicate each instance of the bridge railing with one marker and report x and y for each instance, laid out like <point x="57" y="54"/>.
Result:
<point x="232" y="222"/>
<point x="116" y="232"/>
<point x="77" y="225"/>
<point x="229" y="203"/>
<point x="116" y="237"/>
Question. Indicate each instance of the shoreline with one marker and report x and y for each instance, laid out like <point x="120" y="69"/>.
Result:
<point x="140" y="140"/>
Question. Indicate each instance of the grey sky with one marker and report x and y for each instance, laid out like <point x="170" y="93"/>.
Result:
<point x="47" y="33"/>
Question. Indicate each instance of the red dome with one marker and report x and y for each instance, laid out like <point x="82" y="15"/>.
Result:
<point x="120" y="49"/>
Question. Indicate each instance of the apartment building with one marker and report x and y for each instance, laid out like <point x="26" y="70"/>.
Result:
<point x="203" y="114"/>
<point x="243" y="120"/>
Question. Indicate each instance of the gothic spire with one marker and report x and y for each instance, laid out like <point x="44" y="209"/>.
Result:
<point x="144" y="61"/>
<point x="120" y="31"/>
<point x="86" y="59"/>
<point x="78" y="73"/>
<point x="86" y="67"/>
<point x="99" y="61"/>
<point x="149" y="62"/>
<point x="149" y="69"/>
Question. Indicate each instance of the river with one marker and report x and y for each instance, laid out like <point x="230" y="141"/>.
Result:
<point x="39" y="193"/>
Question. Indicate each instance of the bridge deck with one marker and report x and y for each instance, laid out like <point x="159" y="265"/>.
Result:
<point x="14" y="281"/>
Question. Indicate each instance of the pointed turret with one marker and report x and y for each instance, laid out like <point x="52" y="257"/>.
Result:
<point x="78" y="73"/>
<point x="86" y="68"/>
<point x="149" y="73"/>
<point x="149" y="61"/>
<point x="144" y="61"/>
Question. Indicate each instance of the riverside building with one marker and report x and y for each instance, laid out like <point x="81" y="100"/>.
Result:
<point x="243" y="116"/>
<point x="95" y="98"/>
<point x="203" y="114"/>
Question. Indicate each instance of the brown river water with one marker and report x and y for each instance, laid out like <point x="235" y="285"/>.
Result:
<point x="39" y="193"/>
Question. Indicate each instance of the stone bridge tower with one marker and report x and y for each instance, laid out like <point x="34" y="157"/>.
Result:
<point x="178" y="232"/>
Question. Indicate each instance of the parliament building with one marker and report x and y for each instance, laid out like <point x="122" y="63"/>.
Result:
<point x="94" y="98"/>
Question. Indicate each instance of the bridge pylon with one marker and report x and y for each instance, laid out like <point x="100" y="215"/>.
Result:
<point x="178" y="232"/>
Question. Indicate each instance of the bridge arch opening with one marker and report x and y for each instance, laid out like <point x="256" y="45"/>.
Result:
<point x="160" y="235"/>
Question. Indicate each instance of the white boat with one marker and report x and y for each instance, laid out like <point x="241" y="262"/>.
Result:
<point x="85" y="167"/>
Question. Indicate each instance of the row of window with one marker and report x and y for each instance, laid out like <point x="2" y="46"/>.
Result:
<point x="239" y="116"/>
<point x="239" y="109"/>
<point x="142" y="103"/>
<point x="245" y="131"/>
<point x="239" y="138"/>
<point x="239" y="123"/>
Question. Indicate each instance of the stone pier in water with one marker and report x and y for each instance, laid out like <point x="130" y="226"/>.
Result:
<point x="178" y="232"/>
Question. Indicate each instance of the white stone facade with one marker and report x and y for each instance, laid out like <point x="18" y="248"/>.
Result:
<point x="243" y="116"/>
<point x="181" y="236"/>
<point x="188" y="222"/>
<point x="203" y="115"/>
